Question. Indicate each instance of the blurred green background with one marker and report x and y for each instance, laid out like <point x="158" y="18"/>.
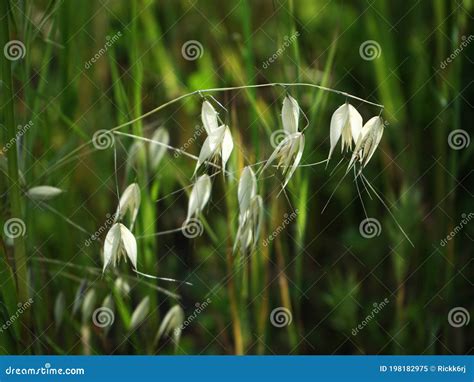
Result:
<point x="93" y="65"/>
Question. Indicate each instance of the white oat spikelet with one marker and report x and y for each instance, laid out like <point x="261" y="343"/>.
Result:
<point x="346" y="122"/>
<point x="129" y="203"/>
<point x="136" y="155"/>
<point x="219" y="139"/>
<point x="139" y="314"/>
<point x="172" y="324"/>
<point x="290" y="150"/>
<point x="43" y="193"/>
<point x="119" y="243"/>
<point x="250" y="212"/>
<point x="367" y="143"/>
<point x="199" y="196"/>
<point x="156" y="152"/>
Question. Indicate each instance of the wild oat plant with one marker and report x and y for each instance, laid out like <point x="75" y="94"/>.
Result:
<point x="360" y="140"/>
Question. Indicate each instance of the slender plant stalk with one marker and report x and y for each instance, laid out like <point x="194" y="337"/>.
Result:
<point x="237" y="324"/>
<point x="234" y="309"/>
<point x="295" y="45"/>
<point x="147" y="218"/>
<point x="264" y="301"/>
<point x="285" y="292"/>
<point x="13" y="177"/>
<point x="249" y="67"/>
<point x="161" y="61"/>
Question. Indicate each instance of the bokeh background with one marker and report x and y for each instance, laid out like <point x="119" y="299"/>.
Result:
<point x="92" y="65"/>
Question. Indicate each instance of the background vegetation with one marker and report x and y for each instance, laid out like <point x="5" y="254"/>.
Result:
<point x="319" y="267"/>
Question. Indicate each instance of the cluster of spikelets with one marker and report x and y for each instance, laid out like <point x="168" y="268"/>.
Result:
<point x="346" y="125"/>
<point x="120" y="242"/>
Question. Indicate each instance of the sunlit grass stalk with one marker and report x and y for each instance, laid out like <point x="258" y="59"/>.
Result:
<point x="285" y="291"/>
<point x="237" y="324"/>
<point x="258" y="270"/>
<point x="15" y="194"/>
<point x="264" y="301"/>
<point x="234" y="307"/>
